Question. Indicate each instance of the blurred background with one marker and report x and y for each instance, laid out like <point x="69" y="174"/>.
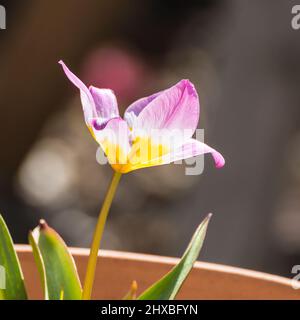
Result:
<point x="243" y="57"/>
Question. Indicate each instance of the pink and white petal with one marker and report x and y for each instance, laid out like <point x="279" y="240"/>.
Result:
<point x="87" y="100"/>
<point x="191" y="149"/>
<point x="114" y="140"/>
<point x="137" y="106"/>
<point x="176" y="108"/>
<point x="105" y="103"/>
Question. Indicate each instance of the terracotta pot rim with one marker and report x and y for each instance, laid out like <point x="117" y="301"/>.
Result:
<point x="218" y="268"/>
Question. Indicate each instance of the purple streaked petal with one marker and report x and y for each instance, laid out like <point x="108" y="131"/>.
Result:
<point x="99" y="123"/>
<point x="191" y="149"/>
<point x="176" y="108"/>
<point x="105" y="103"/>
<point x="87" y="100"/>
<point x="137" y="106"/>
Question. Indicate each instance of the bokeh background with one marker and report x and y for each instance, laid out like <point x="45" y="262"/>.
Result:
<point x="243" y="57"/>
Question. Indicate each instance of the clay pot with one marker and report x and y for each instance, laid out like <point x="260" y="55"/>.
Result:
<point x="116" y="270"/>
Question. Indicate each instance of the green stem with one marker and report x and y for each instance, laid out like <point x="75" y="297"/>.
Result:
<point x="92" y="262"/>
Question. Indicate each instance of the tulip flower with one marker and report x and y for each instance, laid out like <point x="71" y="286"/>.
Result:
<point x="156" y="130"/>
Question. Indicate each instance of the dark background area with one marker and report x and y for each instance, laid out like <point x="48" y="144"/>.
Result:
<point x="243" y="57"/>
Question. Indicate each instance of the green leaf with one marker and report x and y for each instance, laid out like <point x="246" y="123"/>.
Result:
<point x="12" y="285"/>
<point x="168" y="286"/>
<point x="55" y="264"/>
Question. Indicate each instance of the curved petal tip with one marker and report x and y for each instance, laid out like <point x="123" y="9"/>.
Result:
<point x="190" y="87"/>
<point x="219" y="160"/>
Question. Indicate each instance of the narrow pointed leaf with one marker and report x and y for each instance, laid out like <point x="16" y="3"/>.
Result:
<point x="168" y="286"/>
<point x="12" y="285"/>
<point x="55" y="264"/>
